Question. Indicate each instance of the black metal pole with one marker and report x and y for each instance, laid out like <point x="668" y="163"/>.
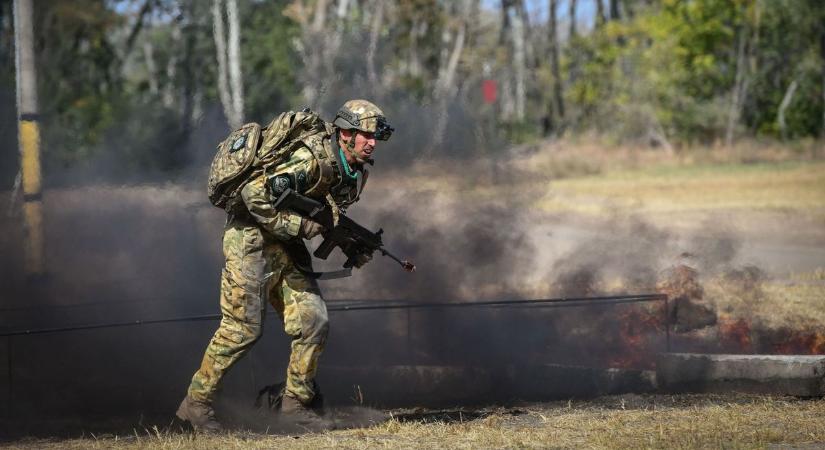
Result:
<point x="10" y="398"/>
<point x="667" y="324"/>
<point x="110" y="325"/>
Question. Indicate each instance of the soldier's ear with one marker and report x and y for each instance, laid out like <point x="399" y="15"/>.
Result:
<point x="346" y="135"/>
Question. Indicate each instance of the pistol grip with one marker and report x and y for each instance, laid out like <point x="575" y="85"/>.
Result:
<point x="325" y="248"/>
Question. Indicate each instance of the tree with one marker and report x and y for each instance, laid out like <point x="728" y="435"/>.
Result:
<point x="555" y="110"/>
<point x="600" y="16"/>
<point x="445" y="88"/>
<point x="573" y="33"/>
<point x="227" y="46"/>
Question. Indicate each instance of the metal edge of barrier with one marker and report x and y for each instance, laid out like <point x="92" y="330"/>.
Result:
<point x="364" y="306"/>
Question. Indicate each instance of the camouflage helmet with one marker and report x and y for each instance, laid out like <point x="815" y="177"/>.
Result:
<point x="364" y="116"/>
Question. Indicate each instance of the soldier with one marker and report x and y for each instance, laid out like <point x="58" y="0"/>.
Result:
<point x="267" y="261"/>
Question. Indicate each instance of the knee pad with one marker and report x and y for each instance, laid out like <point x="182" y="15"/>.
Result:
<point x="314" y="318"/>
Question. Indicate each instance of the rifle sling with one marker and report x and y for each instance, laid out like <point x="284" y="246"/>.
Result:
<point x="331" y="275"/>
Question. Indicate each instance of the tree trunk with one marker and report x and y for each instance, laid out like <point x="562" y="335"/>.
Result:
<point x="600" y="17"/>
<point x="445" y="88"/>
<point x="822" y="56"/>
<point x="220" y="53"/>
<point x="786" y="101"/>
<point x="531" y="58"/>
<point x="172" y="69"/>
<point x="320" y="15"/>
<point x="341" y="12"/>
<point x="507" y="102"/>
<point x="235" y="62"/>
<point x="414" y="63"/>
<point x="133" y="34"/>
<point x="151" y="67"/>
<point x="614" y="10"/>
<point x="573" y="33"/>
<point x="555" y="118"/>
<point x="447" y="80"/>
<point x="738" y="89"/>
<point x="627" y="5"/>
<point x="375" y="29"/>
<point x="505" y="22"/>
<point x="334" y="44"/>
<point x="189" y="84"/>
<point x="656" y="132"/>
<point x="519" y="64"/>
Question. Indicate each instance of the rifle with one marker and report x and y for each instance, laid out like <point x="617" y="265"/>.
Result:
<point x="353" y="239"/>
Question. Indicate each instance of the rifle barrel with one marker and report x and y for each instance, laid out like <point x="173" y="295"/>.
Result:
<point x="407" y="265"/>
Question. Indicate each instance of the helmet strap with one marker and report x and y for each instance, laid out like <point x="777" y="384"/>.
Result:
<point x="350" y="145"/>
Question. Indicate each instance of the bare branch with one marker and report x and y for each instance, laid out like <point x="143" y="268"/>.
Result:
<point x="138" y="26"/>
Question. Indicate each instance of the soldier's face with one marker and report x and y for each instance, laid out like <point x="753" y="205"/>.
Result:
<point x="364" y="147"/>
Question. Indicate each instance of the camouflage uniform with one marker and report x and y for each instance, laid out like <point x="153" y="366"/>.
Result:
<point x="266" y="261"/>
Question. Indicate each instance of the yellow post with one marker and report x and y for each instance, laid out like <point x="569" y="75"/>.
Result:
<point x="29" y="137"/>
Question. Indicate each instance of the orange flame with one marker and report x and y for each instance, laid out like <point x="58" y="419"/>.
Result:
<point x="638" y="329"/>
<point x="735" y="335"/>
<point x="739" y="335"/>
<point x="802" y="343"/>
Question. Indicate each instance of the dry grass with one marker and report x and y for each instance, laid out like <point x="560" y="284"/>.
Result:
<point x="596" y="179"/>
<point x="630" y="421"/>
<point x="788" y="186"/>
<point x="795" y="303"/>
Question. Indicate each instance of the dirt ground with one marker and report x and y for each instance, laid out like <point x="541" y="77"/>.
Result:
<point x="627" y="421"/>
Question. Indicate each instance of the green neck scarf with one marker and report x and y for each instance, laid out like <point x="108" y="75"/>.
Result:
<point x="351" y="173"/>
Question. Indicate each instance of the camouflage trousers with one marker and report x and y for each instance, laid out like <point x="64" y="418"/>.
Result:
<point x="259" y="271"/>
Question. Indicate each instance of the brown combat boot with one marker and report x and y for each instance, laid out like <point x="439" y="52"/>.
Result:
<point x="293" y="412"/>
<point x="199" y="414"/>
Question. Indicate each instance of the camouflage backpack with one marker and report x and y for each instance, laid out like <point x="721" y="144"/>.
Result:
<point x="250" y="150"/>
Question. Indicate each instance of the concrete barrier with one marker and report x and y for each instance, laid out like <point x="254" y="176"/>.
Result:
<point x="798" y="375"/>
<point x="436" y="386"/>
<point x="558" y="381"/>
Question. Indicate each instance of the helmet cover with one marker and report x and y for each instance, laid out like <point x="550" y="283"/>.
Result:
<point x="364" y="116"/>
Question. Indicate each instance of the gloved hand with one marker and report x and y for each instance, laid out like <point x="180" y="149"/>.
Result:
<point x="361" y="259"/>
<point x="310" y="228"/>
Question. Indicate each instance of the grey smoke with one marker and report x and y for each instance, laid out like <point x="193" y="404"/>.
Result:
<point x="633" y="251"/>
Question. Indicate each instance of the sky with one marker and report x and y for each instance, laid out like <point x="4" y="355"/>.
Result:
<point x="537" y="10"/>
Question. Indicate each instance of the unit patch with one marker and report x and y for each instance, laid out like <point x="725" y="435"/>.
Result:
<point x="280" y="183"/>
<point x="238" y="144"/>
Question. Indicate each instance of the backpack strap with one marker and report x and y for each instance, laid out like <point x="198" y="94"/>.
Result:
<point x="364" y="175"/>
<point x="319" y="145"/>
